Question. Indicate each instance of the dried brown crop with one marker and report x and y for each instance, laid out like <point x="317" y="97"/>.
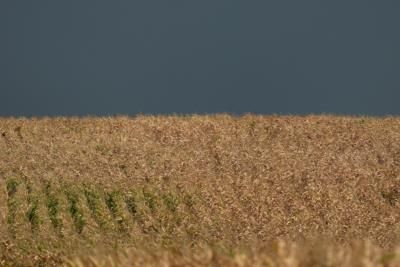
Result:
<point x="247" y="190"/>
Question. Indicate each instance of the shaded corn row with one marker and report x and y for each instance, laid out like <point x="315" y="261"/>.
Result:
<point x="150" y="209"/>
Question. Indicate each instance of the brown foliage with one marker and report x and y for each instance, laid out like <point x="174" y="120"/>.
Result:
<point x="215" y="180"/>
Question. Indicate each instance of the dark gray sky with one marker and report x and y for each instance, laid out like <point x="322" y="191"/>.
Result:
<point x="128" y="57"/>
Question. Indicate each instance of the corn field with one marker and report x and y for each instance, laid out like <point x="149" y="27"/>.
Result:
<point x="200" y="190"/>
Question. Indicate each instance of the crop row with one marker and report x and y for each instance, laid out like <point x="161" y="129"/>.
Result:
<point x="42" y="206"/>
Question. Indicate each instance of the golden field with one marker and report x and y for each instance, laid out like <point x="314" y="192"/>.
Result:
<point x="200" y="190"/>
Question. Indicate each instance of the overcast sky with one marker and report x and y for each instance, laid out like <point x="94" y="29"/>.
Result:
<point x="127" y="57"/>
